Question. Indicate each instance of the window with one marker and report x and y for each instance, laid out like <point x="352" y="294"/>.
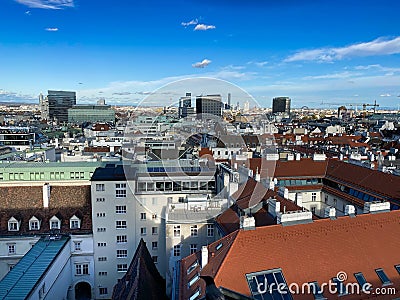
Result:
<point x="316" y="290"/>
<point x="101" y="214"/>
<point x="154" y="216"/>
<point x="326" y="198"/>
<point x="103" y="291"/>
<point x="193" y="230"/>
<point x="194" y="279"/>
<point x="120" y="224"/>
<point x="210" y="230"/>
<point x="120" y="190"/>
<point x="74" y="222"/>
<point x="122" y="253"/>
<point x="143" y="231"/>
<point x="260" y="290"/>
<point x="141" y="186"/>
<point x="101" y="229"/>
<point x="142" y="216"/>
<point x="34" y="224"/>
<point x="55" y="223"/>
<point x="101" y="244"/>
<point x="122" y="239"/>
<point x="340" y="288"/>
<point x="177" y="230"/>
<point x="81" y="269"/>
<point x="155" y="259"/>
<point x="154" y="201"/>
<point x="154" y="230"/>
<point x="100" y="187"/>
<point x="177" y="250"/>
<point x="192" y="267"/>
<point x="397" y="267"/>
<point x="13" y="224"/>
<point x="120" y="209"/>
<point x="383" y="277"/>
<point x="313" y="210"/>
<point x="102" y="273"/>
<point x="77" y="246"/>
<point x="102" y="258"/>
<point x="154" y="245"/>
<point x="361" y="281"/>
<point x="122" y="267"/>
<point x="193" y="248"/>
<point x="313" y="197"/>
<point x="100" y="199"/>
<point x="11" y="249"/>
<point x="195" y="295"/>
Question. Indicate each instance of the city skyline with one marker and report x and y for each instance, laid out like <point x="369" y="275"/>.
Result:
<point x="313" y="52"/>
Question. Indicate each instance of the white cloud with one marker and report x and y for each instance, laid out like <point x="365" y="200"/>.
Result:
<point x="202" y="64"/>
<point x="47" y="4"/>
<point x="28" y="12"/>
<point x="379" y="46"/>
<point x="52" y="29"/>
<point x="203" y="27"/>
<point x="191" y="22"/>
<point x="340" y="75"/>
<point x="386" y="95"/>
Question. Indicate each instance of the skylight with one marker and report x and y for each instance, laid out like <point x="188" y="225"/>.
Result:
<point x="383" y="277"/>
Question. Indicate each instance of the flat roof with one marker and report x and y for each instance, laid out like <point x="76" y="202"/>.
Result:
<point x="24" y="277"/>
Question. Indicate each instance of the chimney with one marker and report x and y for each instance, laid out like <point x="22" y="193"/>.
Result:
<point x="235" y="166"/>
<point x="46" y="195"/>
<point x="298" y="156"/>
<point x="271" y="184"/>
<point x="376" y="207"/>
<point x="204" y="256"/>
<point x="283" y="192"/>
<point x="294" y="217"/>
<point x="330" y="212"/>
<point x="350" y="210"/>
<point x="247" y="223"/>
<point x="274" y="207"/>
<point x="257" y="177"/>
<point x="299" y="199"/>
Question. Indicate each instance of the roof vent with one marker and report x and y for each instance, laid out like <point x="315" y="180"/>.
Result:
<point x="319" y="157"/>
<point x="376" y="207"/>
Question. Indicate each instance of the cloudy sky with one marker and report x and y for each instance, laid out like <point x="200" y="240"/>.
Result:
<point x="318" y="52"/>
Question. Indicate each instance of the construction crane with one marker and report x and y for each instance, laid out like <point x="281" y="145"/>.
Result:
<point x="375" y="105"/>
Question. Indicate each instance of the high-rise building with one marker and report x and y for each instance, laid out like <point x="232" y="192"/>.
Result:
<point x="281" y="105"/>
<point x="209" y="104"/>
<point x="44" y="107"/>
<point x="185" y="106"/>
<point x="91" y="113"/>
<point x="58" y="103"/>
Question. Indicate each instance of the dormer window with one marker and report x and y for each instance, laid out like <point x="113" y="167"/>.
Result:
<point x="74" y="222"/>
<point x="13" y="224"/>
<point x="34" y="223"/>
<point x="55" y="223"/>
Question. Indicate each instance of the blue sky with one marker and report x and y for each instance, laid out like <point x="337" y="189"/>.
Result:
<point x="313" y="51"/>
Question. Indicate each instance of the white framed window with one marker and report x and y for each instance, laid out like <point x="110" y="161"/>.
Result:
<point x="154" y="230"/>
<point x="34" y="223"/>
<point x="120" y="190"/>
<point x="143" y="231"/>
<point x="100" y="199"/>
<point x="193" y="230"/>
<point x="55" y="223"/>
<point x="102" y="258"/>
<point x="313" y="197"/>
<point x="121" y="239"/>
<point x="177" y="250"/>
<point x="101" y="229"/>
<point x="100" y="187"/>
<point x="210" y="230"/>
<point x="77" y="245"/>
<point x="82" y="269"/>
<point x="120" y="224"/>
<point x="101" y="214"/>
<point x="120" y="209"/>
<point x="122" y="253"/>
<point x="193" y="248"/>
<point x="103" y="291"/>
<point x="11" y="249"/>
<point x="102" y="273"/>
<point x="122" y="267"/>
<point x="142" y="216"/>
<point x="177" y="230"/>
<point x="74" y="222"/>
<point x="101" y="244"/>
<point x="154" y="216"/>
<point x="13" y="224"/>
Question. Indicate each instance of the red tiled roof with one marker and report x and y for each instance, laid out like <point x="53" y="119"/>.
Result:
<point x="312" y="252"/>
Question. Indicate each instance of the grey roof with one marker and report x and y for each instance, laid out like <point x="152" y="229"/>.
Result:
<point x="24" y="277"/>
